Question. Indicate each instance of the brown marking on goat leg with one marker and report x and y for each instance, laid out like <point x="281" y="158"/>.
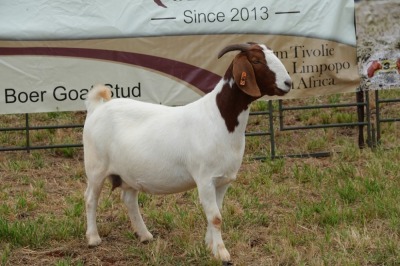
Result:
<point x="217" y="222"/>
<point x="116" y="181"/>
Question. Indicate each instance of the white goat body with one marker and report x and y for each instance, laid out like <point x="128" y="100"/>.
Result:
<point x="160" y="150"/>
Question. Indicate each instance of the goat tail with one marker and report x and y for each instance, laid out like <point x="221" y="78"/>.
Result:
<point x="96" y="96"/>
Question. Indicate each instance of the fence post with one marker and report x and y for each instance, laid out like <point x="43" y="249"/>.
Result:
<point x="378" y="118"/>
<point x="361" y="117"/>
<point x="271" y="128"/>
<point x="370" y="128"/>
<point x="27" y="136"/>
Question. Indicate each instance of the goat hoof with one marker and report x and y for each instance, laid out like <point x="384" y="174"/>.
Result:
<point x="227" y="263"/>
<point x="145" y="242"/>
<point x="144" y="239"/>
<point x="222" y="254"/>
<point x="94" y="242"/>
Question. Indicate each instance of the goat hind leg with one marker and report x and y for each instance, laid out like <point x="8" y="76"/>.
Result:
<point x="130" y="198"/>
<point x="92" y="194"/>
<point x="220" y="193"/>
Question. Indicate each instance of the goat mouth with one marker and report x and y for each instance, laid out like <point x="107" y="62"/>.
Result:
<point x="280" y="92"/>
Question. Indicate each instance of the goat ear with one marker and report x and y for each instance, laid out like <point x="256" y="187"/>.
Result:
<point x="244" y="76"/>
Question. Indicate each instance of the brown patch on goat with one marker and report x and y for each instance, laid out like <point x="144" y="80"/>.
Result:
<point x="116" y="181"/>
<point x="228" y="95"/>
<point x="232" y="101"/>
<point x="217" y="222"/>
<point x="264" y="76"/>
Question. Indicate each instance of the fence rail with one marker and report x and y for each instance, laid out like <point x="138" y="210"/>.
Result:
<point x="366" y="125"/>
<point x="378" y="103"/>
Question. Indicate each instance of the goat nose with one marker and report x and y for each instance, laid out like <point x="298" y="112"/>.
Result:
<point x="288" y="83"/>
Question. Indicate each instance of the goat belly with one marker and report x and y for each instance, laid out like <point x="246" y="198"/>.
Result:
<point x="155" y="174"/>
<point x="162" y="184"/>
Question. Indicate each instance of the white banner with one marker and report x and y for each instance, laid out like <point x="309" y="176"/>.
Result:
<point x="164" y="51"/>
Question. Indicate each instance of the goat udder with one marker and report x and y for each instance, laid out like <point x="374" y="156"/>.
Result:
<point x="116" y="181"/>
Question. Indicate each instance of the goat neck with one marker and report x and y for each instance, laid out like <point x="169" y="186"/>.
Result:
<point x="232" y="102"/>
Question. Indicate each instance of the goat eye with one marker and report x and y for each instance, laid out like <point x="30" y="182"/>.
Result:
<point x="256" y="62"/>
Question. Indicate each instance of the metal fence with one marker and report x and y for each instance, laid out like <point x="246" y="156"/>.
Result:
<point x="369" y="130"/>
<point x="28" y="129"/>
<point x="275" y="123"/>
<point x="379" y="120"/>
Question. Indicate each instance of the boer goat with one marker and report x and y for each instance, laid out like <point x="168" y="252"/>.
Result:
<point x="151" y="148"/>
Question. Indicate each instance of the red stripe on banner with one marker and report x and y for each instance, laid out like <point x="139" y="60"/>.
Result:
<point x="203" y="79"/>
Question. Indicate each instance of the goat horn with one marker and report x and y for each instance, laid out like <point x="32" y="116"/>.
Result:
<point x="234" y="47"/>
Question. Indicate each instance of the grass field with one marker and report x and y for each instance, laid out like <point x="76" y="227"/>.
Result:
<point x="340" y="210"/>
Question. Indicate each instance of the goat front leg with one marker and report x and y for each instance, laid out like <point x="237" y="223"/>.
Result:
<point x="130" y="198"/>
<point x="208" y="199"/>
<point x="220" y="193"/>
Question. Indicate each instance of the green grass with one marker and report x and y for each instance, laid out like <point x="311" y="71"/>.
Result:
<point x="341" y="210"/>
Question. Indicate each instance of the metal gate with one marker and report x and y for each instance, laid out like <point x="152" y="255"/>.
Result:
<point x="272" y="117"/>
